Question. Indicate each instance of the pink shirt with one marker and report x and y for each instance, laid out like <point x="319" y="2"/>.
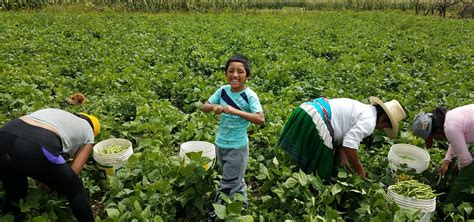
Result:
<point x="459" y="130"/>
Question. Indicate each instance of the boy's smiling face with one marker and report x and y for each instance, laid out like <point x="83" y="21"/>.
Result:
<point x="236" y="76"/>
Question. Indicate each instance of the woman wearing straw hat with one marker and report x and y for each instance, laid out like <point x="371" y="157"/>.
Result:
<point x="31" y="146"/>
<point x="457" y="127"/>
<point x="316" y="129"/>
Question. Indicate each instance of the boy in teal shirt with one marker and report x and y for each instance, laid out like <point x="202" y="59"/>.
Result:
<point x="238" y="105"/>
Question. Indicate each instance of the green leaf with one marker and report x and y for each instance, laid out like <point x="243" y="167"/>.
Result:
<point x="112" y="212"/>
<point x="25" y="206"/>
<point x="234" y="207"/>
<point x="379" y="203"/>
<point x="188" y="170"/>
<point x="162" y="186"/>
<point x="336" y="188"/>
<point x="275" y="161"/>
<point x="39" y="219"/>
<point x="342" y="174"/>
<point x="137" y="206"/>
<point x="264" y="171"/>
<point x="122" y="207"/>
<point x="302" y="178"/>
<point x="279" y="192"/>
<point x="186" y="196"/>
<point x="239" y="197"/>
<point x="331" y="214"/>
<point x="375" y="219"/>
<point x="195" y="156"/>
<point x="51" y="215"/>
<point x="7" y="218"/>
<point x="345" y="184"/>
<point x="225" y="198"/>
<point x="115" y="183"/>
<point x="220" y="211"/>
<point x="246" y="218"/>
<point x="466" y="207"/>
<point x="355" y="191"/>
<point x="147" y="212"/>
<point x="128" y="191"/>
<point x="290" y="183"/>
<point x="266" y="198"/>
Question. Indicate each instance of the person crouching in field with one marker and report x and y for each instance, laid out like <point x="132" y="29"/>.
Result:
<point x="237" y="105"/>
<point x="31" y="146"/>
<point x="316" y="130"/>
<point x="457" y="127"/>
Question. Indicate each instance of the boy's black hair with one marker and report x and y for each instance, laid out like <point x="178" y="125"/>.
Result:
<point x="438" y="117"/>
<point x="239" y="58"/>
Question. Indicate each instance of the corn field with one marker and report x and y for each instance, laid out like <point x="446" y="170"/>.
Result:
<point x="463" y="8"/>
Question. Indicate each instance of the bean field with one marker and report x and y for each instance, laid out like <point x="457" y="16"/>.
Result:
<point x="146" y="76"/>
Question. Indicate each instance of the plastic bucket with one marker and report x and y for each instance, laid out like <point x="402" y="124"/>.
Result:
<point x="208" y="150"/>
<point x="414" y="157"/>
<point x="110" y="163"/>
<point x="426" y="207"/>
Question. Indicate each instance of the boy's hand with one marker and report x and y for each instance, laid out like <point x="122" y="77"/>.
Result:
<point x="230" y="110"/>
<point x="217" y="109"/>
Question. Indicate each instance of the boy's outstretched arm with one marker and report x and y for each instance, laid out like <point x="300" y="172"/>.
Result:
<point x="256" y="118"/>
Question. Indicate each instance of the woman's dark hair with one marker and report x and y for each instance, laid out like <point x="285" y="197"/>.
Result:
<point x="239" y="58"/>
<point x="368" y="141"/>
<point x="86" y="118"/>
<point x="380" y="113"/>
<point x="438" y="117"/>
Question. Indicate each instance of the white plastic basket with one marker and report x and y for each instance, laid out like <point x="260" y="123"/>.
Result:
<point x="110" y="163"/>
<point x="425" y="206"/>
<point x="208" y="150"/>
<point x="414" y="157"/>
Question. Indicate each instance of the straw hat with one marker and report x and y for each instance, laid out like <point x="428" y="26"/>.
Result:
<point x="394" y="111"/>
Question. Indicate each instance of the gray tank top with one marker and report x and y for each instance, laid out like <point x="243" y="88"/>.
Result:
<point x="74" y="131"/>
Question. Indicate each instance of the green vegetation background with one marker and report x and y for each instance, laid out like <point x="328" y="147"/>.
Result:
<point x="145" y="76"/>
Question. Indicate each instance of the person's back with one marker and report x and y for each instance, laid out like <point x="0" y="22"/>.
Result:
<point x="74" y="131"/>
<point x="459" y="131"/>
<point x="461" y="118"/>
<point x="351" y="121"/>
<point x="32" y="147"/>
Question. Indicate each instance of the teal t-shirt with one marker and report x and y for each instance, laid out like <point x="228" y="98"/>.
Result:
<point x="232" y="132"/>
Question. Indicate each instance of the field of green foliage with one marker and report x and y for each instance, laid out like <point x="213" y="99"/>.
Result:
<point x="146" y="75"/>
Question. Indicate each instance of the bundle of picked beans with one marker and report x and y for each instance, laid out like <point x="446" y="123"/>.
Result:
<point x="113" y="149"/>
<point x="413" y="189"/>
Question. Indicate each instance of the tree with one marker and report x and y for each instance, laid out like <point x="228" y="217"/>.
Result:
<point x="467" y="10"/>
<point x="443" y="5"/>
